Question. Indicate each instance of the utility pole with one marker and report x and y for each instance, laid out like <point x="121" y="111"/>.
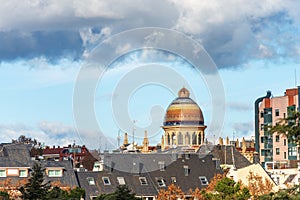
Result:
<point x="134" y="121"/>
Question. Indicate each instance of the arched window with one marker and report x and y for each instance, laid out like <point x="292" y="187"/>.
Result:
<point x="199" y="138"/>
<point x="173" y="138"/>
<point x="168" y="139"/>
<point x="194" y="139"/>
<point x="180" y="139"/>
<point x="187" y="139"/>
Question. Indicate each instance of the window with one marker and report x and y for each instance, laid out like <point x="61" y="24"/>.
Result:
<point x="143" y="181"/>
<point x="106" y="180"/>
<point x="292" y="151"/>
<point x="91" y="180"/>
<point x="54" y="173"/>
<point x="203" y="180"/>
<point x="23" y="173"/>
<point x="262" y="139"/>
<point x="277" y="138"/>
<point x="161" y="165"/>
<point x="261" y="114"/>
<point x="262" y="127"/>
<point x="186" y="170"/>
<point x="161" y="182"/>
<point x="277" y="151"/>
<point x="121" y="180"/>
<point x="2" y="173"/>
<point x="277" y="112"/>
<point x="284" y="142"/>
<point x="284" y="155"/>
<point x="173" y="179"/>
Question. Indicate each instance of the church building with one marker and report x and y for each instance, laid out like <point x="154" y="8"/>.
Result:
<point x="184" y="123"/>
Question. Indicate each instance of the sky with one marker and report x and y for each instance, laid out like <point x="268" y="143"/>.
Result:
<point x="86" y="72"/>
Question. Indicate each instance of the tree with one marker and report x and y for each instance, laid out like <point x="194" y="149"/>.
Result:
<point x="228" y="189"/>
<point x="4" y="195"/>
<point x="257" y="185"/>
<point x="172" y="193"/>
<point x="36" y="188"/>
<point x="122" y="193"/>
<point x="289" y="126"/>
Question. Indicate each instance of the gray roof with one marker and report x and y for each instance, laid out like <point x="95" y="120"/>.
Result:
<point x="18" y="155"/>
<point x="230" y="155"/>
<point x="133" y="166"/>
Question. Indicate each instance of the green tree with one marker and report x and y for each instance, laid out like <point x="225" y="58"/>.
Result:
<point x="122" y="193"/>
<point x="36" y="188"/>
<point x="57" y="193"/>
<point x="228" y="189"/>
<point x="76" y="194"/>
<point x="289" y="126"/>
<point x="4" y="195"/>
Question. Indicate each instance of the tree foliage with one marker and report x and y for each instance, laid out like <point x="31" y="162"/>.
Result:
<point x="172" y="193"/>
<point x="289" y="126"/>
<point x="122" y="193"/>
<point x="258" y="186"/>
<point x="36" y="188"/>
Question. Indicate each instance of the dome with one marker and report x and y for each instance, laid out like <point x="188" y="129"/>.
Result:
<point x="183" y="111"/>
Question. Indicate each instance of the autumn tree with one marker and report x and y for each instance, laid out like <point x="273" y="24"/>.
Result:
<point x="172" y="193"/>
<point x="258" y="186"/>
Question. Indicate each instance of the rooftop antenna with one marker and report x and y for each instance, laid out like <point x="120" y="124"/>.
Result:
<point x="295" y="77"/>
<point x="119" y="138"/>
<point x="134" y="121"/>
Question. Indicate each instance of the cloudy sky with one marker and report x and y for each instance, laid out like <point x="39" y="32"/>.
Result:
<point x="45" y="45"/>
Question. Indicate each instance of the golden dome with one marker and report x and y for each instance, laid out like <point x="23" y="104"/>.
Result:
<point x="183" y="111"/>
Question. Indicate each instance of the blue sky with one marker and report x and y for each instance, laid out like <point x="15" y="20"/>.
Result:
<point x="44" y="45"/>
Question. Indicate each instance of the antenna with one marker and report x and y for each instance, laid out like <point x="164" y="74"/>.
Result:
<point x="134" y="121"/>
<point x="118" y="138"/>
<point x="295" y="77"/>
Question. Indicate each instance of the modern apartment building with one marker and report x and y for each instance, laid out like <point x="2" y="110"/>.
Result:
<point x="275" y="150"/>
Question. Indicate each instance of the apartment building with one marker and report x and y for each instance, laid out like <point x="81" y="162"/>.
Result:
<point x="275" y="150"/>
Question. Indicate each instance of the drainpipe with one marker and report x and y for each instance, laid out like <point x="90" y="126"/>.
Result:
<point x="256" y="110"/>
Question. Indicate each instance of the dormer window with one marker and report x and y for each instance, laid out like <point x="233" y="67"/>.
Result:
<point x="22" y="173"/>
<point x="55" y="172"/>
<point x="2" y="173"/>
<point x="161" y="165"/>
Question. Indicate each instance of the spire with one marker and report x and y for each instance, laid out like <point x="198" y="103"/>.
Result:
<point x="227" y="140"/>
<point x="221" y="141"/>
<point x="145" y="143"/>
<point x="126" y="139"/>
<point x="183" y="93"/>
<point x="237" y="145"/>
<point x="162" y="143"/>
<point x="244" y="147"/>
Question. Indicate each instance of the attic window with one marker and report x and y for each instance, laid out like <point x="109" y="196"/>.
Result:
<point x="91" y="180"/>
<point x="121" y="180"/>
<point x="143" y="181"/>
<point x="106" y="180"/>
<point x="161" y="182"/>
<point x="203" y="180"/>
